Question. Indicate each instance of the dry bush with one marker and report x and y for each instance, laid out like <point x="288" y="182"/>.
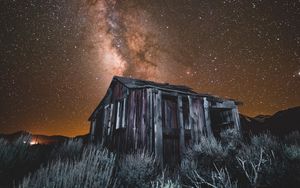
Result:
<point x="12" y="153"/>
<point x="232" y="140"/>
<point x="163" y="182"/>
<point x="201" y="159"/>
<point x="293" y="138"/>
<point x="70" y="149"/>
<point x="94" y="169"/>
<point x="137" y="169"/>
<point x="292" y="152"/>
<point x="210" y="147"/>
<point x="220" y="178"/>
<point x="18" y="158"/>
<point x="262" y="160"/>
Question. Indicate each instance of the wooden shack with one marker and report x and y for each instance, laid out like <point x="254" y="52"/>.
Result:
<point x="158" y="117"/>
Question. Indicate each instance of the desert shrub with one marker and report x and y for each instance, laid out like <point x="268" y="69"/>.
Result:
<point x="266" y="141"/>
<point x="15" y="152"/>
<point x="231" y="140"/>
<point x="229" y="135"/>
<point x="163" y="182"/>
<point x="209" y="146"/>
<point x="17" y="158"/>
<point x="292" y="152"/>
<point x="137" y="169"/>
<point x="70" y="149"/>
<point x="202" y="157"/>
<point x="262" y="160"/>
<point x="293" y="138"/>
<point x="220" y="178"/>
<point x="93" y="169"/>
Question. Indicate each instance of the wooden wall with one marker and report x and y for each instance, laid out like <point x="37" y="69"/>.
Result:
<point x="133" y="119"/>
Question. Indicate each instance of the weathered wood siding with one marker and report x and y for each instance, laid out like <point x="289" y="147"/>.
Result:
<point x="135" y="126"/>
<point x="196" y="119"/>
<point x="155" y="120"/>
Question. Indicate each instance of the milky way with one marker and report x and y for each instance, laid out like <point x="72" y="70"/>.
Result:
<point x="126" y="41"/>
<point x="58" y="57"/>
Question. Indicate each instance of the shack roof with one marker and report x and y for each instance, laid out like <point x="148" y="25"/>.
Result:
<point x="138" y="84"/>
<point x="133" y="83"/>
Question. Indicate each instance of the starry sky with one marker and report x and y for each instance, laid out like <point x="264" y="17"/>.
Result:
<point x="57" y="57"/>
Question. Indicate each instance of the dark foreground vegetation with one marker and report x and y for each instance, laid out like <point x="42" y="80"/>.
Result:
<point x="230" y="161"/>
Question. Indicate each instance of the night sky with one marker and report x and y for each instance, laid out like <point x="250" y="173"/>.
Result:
<point x="57" y="57"/>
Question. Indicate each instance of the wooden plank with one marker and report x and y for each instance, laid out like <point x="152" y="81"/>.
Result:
<point x="158" y="127"/>
<point x="109" y="128"/>
<point x="143" y="119"/>
<point x="196" y="117"/>
<point x="93" y="128"/>
<point x="191" y="119"/>
<point x="134" y="105"/>
<point x="206" y="106"/>
<point x="181" y="125"/>
<point x="124" y="113"/>
<point x="105" y="123"/>
<point x="202" y="129"/>
<point x="151" y="120"/>
<point x="224" y="104"/>
<point x="118" y="116"/>
<point x="236" y="118"/>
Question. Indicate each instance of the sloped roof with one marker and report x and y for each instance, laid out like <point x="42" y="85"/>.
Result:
<point x="132" y="83"/>
<point x="137" y="84"/>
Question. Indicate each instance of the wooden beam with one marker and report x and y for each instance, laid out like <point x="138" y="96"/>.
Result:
<point x="158" y="127"/>
<point x="206" y="106"/>
<point x="118" y="115"/>
<point x="236" y="118"/>
<point x="124" y="113"/>
<point x="191" y="119"/>
<point x="224" y="104"/>
<point x="151" y="120"/>
<point x="110" y="120"/>
<point x="181" y="125"/>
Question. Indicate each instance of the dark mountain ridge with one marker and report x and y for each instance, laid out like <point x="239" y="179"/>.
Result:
<point x="281" y="123"/>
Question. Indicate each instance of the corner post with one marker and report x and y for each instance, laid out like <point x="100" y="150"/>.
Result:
<point x="206" y="106"/>
<point x="181" y="124"/>
<point x="158" y="127"/>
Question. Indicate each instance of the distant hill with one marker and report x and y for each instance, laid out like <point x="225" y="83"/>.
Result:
<point x="281" y="123"/>
<point x="35" y="139"/>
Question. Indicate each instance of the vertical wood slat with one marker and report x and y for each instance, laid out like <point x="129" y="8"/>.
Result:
<point x="109" y="128"/>
<point x="191" y="120"/>
<point x="158" y="127"/>
<point x="118" y="116"/>
<point x="199" y="127"/>
<point x="105" y="123"/>
<point x="143" y="119"/>
<point x="151" y="120"/>
<point x="206" y="105"/>
<point x="204" y="130"/>
<point x="93" y="128"/>
<point x="236" y="118"/>
<point x="181" y="125"/>
<point x="124" y="113"/>
<point x="134" y="105"/>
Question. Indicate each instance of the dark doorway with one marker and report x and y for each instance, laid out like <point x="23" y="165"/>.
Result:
<point x="221" y="119"/>
<point x="170" y="125"/>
